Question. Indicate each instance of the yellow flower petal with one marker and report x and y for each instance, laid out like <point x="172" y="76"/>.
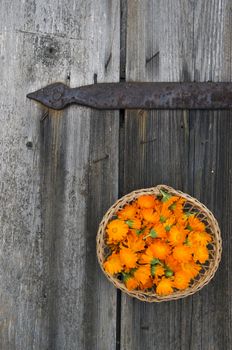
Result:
<point x="116" y="231"/>
<point x="128" y="258"/>
<point x="164" y="287"/>
<point x="182" y="253"/>
<point x="113" y="264"/>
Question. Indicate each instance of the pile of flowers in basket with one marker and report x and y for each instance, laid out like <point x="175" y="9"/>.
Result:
<point x="156" y="244"/>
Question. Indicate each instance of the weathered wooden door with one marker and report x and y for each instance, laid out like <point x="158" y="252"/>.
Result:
<point x="60" y="171"/>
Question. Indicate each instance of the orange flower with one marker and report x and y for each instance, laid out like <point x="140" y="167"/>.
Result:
<point x="191" y="268"/>
<point x="134" y="242"/>
<point x="177" y="207"/>
<point x="157" y="270"/>
<point x="147" y="257"/>
<point x="182" y="221"/>
<point x="201" y="254"/>
<point x="134" y="223"/>
<point x="160" y="249"/>
<point x="157" y="231"/>
<point x="156" y="280"/>
<point x="182" y="253"/>
<point x="143" y="274"/>
<point x="169" y="223"/>
<point x="149" y="215"/>
<point x="113" y="264"/>
<point x="131" y="283"/>
<point x="128" y="258"/>
<point x="128" y="212"/>
<point x="202" y="238"/>
<point x="117" y="231"/>
<point x="148" y="284"/>
<point x="171" y="202"/>
<point x="160" y="230"/>
<point x="176" y="236"/>
<point x="195" y="224"/>
<point x="146" y="201"/>
<point x="165" y="213"/>
<point x="164" y="287"/>
<point x="144" y="231"/>
<point x="181" y="280"/>
<point x="172" y="263"/>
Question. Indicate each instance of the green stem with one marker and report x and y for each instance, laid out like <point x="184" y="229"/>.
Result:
<point x="166" y="196"/>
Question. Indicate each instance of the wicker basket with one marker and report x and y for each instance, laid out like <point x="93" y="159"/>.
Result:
<point x="208" y="269"/>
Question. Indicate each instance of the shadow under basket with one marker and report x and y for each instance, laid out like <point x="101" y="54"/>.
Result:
<point x="208" y="269"/>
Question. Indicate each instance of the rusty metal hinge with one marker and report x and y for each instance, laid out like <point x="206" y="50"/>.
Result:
<point x="138" y="95"/>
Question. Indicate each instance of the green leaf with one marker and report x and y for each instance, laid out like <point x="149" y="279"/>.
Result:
<point x="155" y="261"/>
<point x="153" y="233"/>
<point x="166" y="196"/>
<point x="189" y="228"/>
<point x="129" y="223"/>
<point x="173" y="206"/>
<point x="132" y="271"/>
<point x="162" y="219"/>
<point x="125" y="276"/>
<point x="153" y="267"/>
<point x="168" y="273"/>
<point x="168" y="228"/>
<point x="188" y="214"/>
<point x="138" y="232"/>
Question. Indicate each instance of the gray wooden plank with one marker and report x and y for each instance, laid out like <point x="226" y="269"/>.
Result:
<point x="188" y="152"/>
<point x="123" y="37"/>
<point x="208" y="317"/>
<point x="159" y="48"/>
<point x="53" y="176"/>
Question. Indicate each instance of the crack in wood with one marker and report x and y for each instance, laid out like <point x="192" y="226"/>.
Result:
<point x="108" y="61"/>
<point x="152" y="57"/>
<point x="44" y="116"/>
<point x="58" y="35"/>
<point x="100" y="159"/>
<point x="143" y="142"/>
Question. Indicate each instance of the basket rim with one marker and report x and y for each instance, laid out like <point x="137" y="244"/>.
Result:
<point x="151" y="296"/>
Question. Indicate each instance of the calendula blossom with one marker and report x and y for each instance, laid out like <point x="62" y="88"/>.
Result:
<point x="113" y="264"/>
<point x="165" y="287"/>
<point x="131" y="283"/>
<point x="176" y="236"/>
<point x="182" y="253"/>
<point x="116" y="231"/>
<point x="195" y="224"/>
<point x="128" y="212"/>
<point x="128" y="258"/>
<point x="160" y="249"/>
<point x="146" y="201"/>
<point x="181" y="280"/>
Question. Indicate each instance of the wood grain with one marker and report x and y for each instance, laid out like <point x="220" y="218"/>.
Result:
<point x="58" y="176"/>
<point x="176" y="41"/>
<point x="59" y="170"/>
<point x="207" y="319"/>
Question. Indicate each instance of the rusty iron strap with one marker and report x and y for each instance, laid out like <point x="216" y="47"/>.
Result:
<point x="138" y="95"/>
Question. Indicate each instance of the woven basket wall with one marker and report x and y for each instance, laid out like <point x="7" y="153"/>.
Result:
<point x="193" y="205"/>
